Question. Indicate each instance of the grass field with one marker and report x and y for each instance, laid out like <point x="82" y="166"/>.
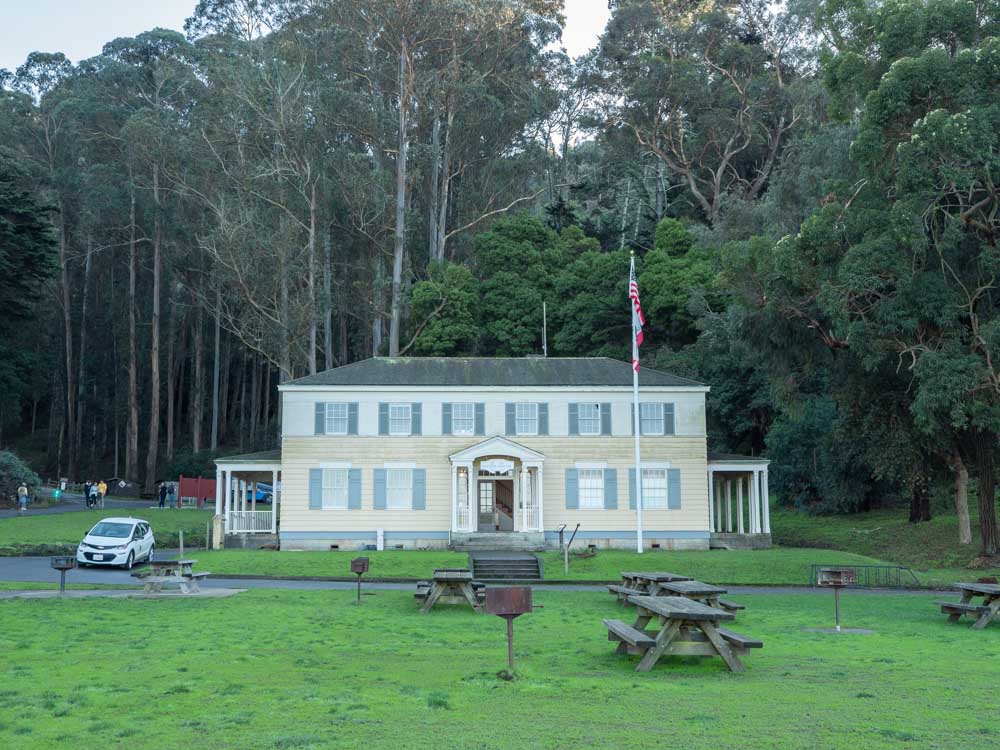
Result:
<point x="41" y="534"/>
<point x="293" y="669"/>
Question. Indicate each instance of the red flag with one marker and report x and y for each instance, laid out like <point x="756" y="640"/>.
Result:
<point x="638" y="320"/>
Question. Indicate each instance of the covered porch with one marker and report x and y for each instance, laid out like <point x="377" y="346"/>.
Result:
<point x="739" y="502"/>
<point x="496" y="487"/>
<point x="238" y="480"/>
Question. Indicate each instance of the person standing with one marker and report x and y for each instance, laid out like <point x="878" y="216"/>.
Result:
<point x="102" y="490"/>
<point x="163" y="494"/>
<point x="93" y="495"/>
<point x="170" y="494"/>
<point x="22" y="498"/>
<point x="86" y="493"/>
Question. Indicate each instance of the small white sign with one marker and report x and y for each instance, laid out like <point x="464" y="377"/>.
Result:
<point x="379" y="539"/>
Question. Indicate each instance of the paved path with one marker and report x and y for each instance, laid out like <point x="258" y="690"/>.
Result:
<point x="37" y="569"/>
<point x="72" y="503"/>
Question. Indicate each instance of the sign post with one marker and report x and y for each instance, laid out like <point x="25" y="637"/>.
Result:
<point x="359" y="566"/>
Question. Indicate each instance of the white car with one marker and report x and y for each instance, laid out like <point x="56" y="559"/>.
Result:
<point x="116" y="541"/>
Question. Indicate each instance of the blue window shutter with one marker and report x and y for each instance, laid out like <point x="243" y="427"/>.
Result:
<point x="668" y="419"/>
<point x="572" y="489"/>
<point x="631" y="488"/>
<point x="574" y="419"/>
<point x="320" y="418"/>
<point x="543" y="419"/>
<point x="315" y="489"/>
<point x="354" y="489"/>
<point x="416" y="418"/>
<point x="352" y="418"/>
<point x="673" y="488"/>
<point x="378" y="482"/>
<point x="605" y="419"/>
<point x="480" y="419"/>
<point x="419" y="489"/>
<point x="383" y="418"/>
<point x="610" y="489"/>
<point x="510" y="419"/>
<point x="446" y="419"/>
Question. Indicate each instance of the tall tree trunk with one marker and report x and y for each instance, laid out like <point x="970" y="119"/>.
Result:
<point x="254" y="401"/>
<point x="378" y="301"/>
<point x="152" y="449"/>
<point x="243" y="398"/>
<point x="920" y="496"/>
<point x="434" y="197"/>
<point x="443" y="200"/>
<point x="215" y="372"/>
<point x="71" y="463"/>
<point x="311" y="282"/>
<point x="85" y="356"/>
<point x="961" y="498"/>
<point x="328" y="359"/>
<point x="132" y="428"/>
<point x="198" y="387"/>
<point x="224" y="390"/>
<point x="399" y="238"/>
<point x="661" y="191"/>
<point x="983" y="450"/>
<point x="266" y="415"/>
<point x="173" y="367"/>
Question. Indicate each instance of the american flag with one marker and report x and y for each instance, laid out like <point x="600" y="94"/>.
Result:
<point x="638" y="320"/>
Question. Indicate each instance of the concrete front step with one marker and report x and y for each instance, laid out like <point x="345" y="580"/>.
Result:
<point x="511" y="541"/>
<point x="505" y="566"/>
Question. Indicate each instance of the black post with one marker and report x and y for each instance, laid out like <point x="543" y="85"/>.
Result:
<point x="62" y="581"/>
<point x="836" y="605"/>
<point x="510" y="643"/>
<point x="359" y="589"/>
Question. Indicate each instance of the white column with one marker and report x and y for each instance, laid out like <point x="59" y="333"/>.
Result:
<point x="754" y="500"/>
<point x="711" y="500"/>
<point x="766" y="504"/>
<point x="719" y="504"/>
<point x="525" y="490"/>
<point x="253" y="496"/>
<point x="729" y="505"/>
<point x="471" y="500"/>
<point x="541" y="497"/>
<point x="218" y="491"/>
<point x="739" y="503"/>
<point x="228" y="498"/>
<point x="454" y="498"/>
<point x="274" y="501"/>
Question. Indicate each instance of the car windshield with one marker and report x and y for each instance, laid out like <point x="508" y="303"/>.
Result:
<point x="117" y="530"/>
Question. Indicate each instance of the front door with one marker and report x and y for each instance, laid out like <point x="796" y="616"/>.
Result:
<point x="496" y="505"/>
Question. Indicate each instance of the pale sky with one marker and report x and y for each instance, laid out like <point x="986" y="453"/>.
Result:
<point x="79" y="28"/>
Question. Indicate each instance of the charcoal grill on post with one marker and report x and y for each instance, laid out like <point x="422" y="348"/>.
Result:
<point x="62" y="563"/>
<point x="509" y="602"/>
<point x="359" y="566"/>
<point x="836" y="578"/>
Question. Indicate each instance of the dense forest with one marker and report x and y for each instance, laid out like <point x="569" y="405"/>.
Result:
<point x="810" y="188"/>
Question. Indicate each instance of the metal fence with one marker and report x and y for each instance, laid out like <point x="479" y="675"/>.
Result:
<point x="871" y="576"/>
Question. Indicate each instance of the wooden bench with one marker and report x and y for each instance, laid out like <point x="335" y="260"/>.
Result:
<point x="624" y="592"/>
<point x="621" y="631"/>
<point x="154" y="583"/>
<point x="730" y="606"/>
<point x="957" y="608"/>
<point x="742" y="642"/>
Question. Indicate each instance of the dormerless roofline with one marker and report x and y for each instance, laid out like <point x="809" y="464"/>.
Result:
<point x="499" y="388"/>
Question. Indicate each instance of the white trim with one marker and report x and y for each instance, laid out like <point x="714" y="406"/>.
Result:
<point x="495" y="388"/>
<point x="592" y="465"/>
<point x="399" y="465"/>
<point x="579" y="418"/>
<point x="233" y="467"/>
<point x="656" y="465"/>
<point x="496" y="446"/>
<point x="744" y="468"/>
<point x="334" y="465"/>
<point x="408" y="405"/>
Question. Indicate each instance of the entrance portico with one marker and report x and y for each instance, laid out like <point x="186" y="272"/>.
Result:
<point x="496" y="486"/>
<point x="236" y="483"/>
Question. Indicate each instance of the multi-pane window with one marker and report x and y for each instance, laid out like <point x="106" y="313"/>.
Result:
<point x="399" y="419"/>
<point x="591" y="488"/>
<point x="336" y="419"/>
<point x="463" y="419"/>
<point x="654" y="488"/>
<point x="589" y="419"/>
<point x="398" y="488"/>
<point x="651" y="419"/>
<point x="335" y="489"/>
<point x="527" y="419"/>
<point x="486" y="497"/>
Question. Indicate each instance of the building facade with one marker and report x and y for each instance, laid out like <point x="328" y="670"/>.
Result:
<point x="437" y="452"/>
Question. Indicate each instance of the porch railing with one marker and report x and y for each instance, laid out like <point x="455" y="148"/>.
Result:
<point x="250" y="522"/>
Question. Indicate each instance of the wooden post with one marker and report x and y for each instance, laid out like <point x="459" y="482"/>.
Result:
<point x="739" y="504"/>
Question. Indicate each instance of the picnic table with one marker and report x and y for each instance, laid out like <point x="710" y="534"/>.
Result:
<point x="162" y="572"/>
<point x="686" y="628"/>
<point x="990" y="592"/>
<point x="639" y="583"/>
<point x="705" y="593"/>
<point x="450" y="586"/>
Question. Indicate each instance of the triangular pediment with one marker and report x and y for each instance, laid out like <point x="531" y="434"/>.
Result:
<point x="497" y="446"/>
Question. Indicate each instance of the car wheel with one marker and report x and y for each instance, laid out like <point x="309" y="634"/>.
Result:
<point x="131" y="560"/>
<point x="149" y="557"/>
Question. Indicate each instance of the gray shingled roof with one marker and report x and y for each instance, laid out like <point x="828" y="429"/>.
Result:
<point x="735" y="458"/>
<point x="490" y="371"/>
<point x="263" y="457"/>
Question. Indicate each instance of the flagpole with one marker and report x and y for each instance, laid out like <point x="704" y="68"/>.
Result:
<point x="636" y="418"/>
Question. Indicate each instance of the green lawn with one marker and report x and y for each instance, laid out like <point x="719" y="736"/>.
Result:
<point x="49" y="534"/>
<point x="296" y="669"/>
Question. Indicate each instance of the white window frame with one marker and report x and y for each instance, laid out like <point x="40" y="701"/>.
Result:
<point x="596" y="419"/>
<point x="658" y="409"/>
<point x="336" y="488"/>
<point x="470" y="419"/>
<point x="398" y="487"/>
<point x="330" y="419"/>
<point x="518" y="417"/>
<point x="409" y="418"/>
<point x="590" y="496"/>
<point x="661" y="500"/>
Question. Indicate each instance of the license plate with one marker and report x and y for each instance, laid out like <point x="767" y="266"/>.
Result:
<point x="98" y="558"/>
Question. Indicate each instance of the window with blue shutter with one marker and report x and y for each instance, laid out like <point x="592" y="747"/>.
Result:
<point x="320" y="421"/>
<point x="574" y="419"/>
<point x="378" y="487"/>
<point x="315" y="489"/>
<point x="480" y="418"/>
<point x="543" y="419"/>
<point x="416" y="418"/>
<point x="572" y="489"/>
<point x="383" y="418"/>
<point x="352" y="418"/>
<point x="605" y="419"/>
<point x="510" y="419"/>
<point x="668" y="419"/>
<point x="610" y="489"/>
<point x="446" y="419"/>
<point x="673" y="488"/>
